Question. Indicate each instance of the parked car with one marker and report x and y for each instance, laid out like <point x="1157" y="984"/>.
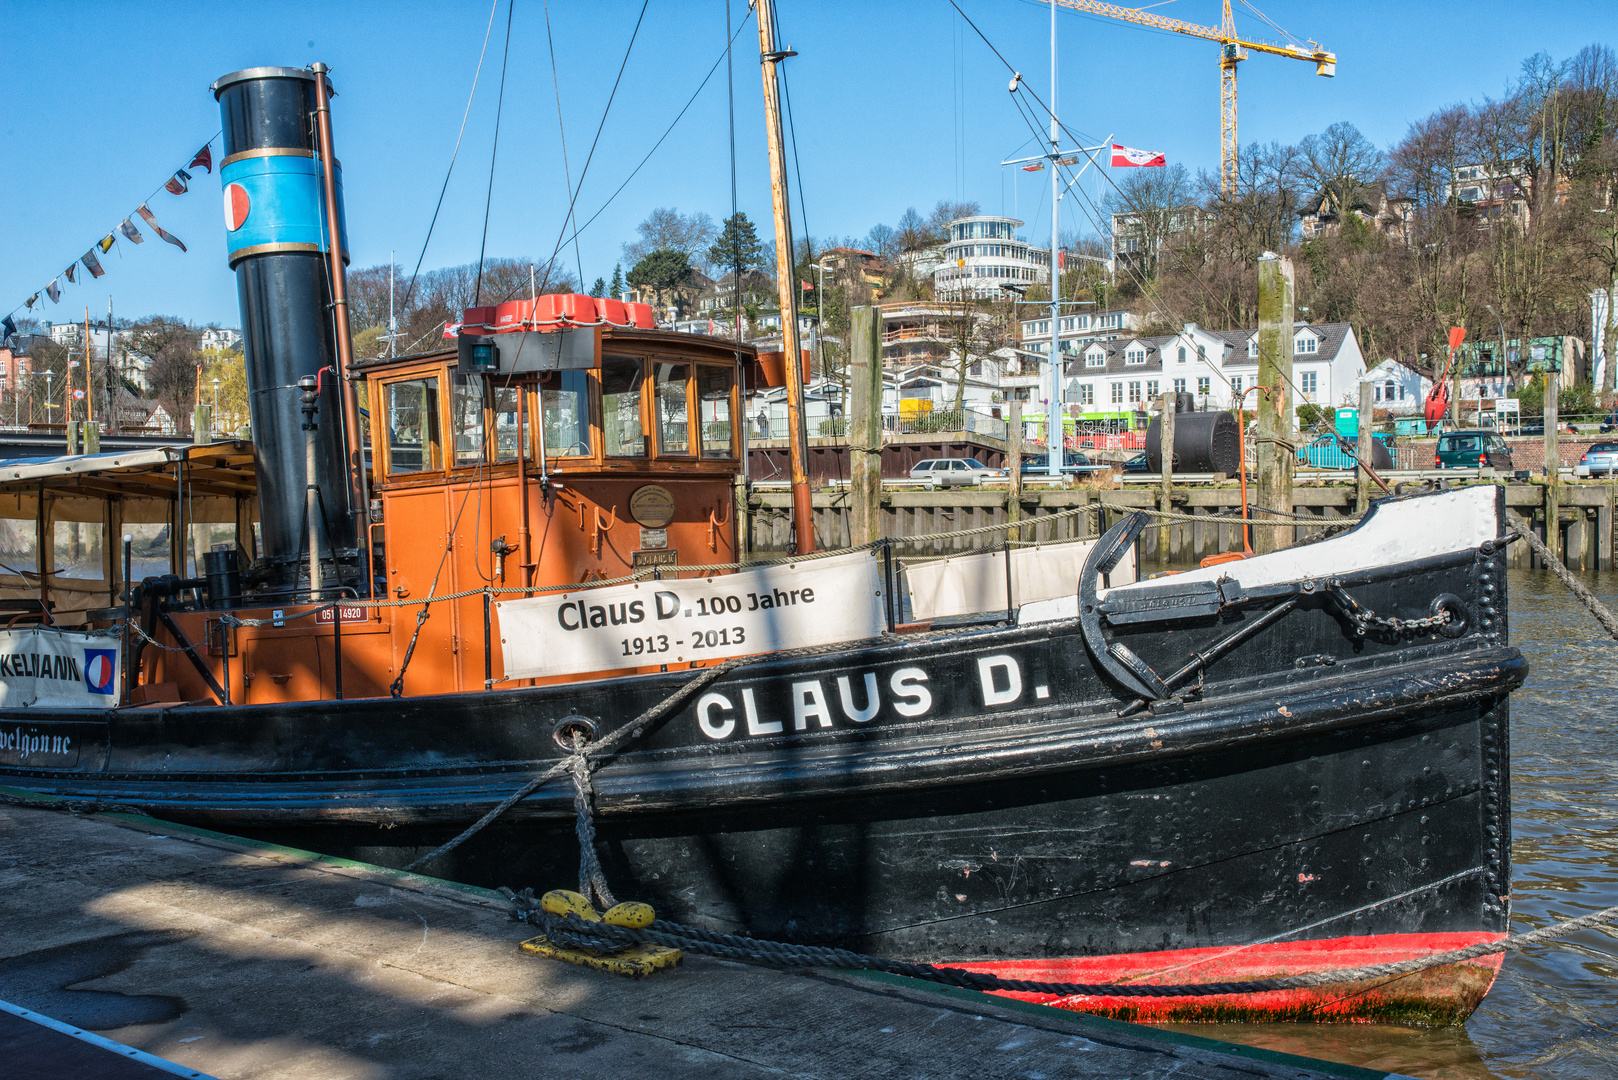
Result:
<point x="1073" y="463"/>
<point x="1474" y="448"/>
<point x="953" y="472"/>
<point x="1338" y="452"/>
<point x="1137" y="463"/>
<point x="1600" y="460"/>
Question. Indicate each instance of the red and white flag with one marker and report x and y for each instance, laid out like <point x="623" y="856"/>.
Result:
<point x="1128" y="156"/>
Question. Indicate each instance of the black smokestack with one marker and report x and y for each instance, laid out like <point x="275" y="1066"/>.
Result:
<point x="275" y="220"/>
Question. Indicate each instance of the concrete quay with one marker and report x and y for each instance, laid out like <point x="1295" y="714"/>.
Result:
<point x="234" y="959"/>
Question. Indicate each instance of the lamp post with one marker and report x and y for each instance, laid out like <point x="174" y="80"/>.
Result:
<point x="1499" y="322"/>
<point x="820" y="316"/>
<point x="212" y="417"/>
<point x="49" y="404"/>
<point x="820" y="328"/>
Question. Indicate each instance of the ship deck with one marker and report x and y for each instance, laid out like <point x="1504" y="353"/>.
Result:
<point x="239" y="959"/>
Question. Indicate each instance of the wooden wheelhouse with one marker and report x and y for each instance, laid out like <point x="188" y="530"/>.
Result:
<point x="632" y="471"/>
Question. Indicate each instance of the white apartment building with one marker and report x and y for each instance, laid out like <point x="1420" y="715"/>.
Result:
<point x="223" y="339"/>
<point x="71" y="336"/>
<point x="1075" y="330"/>
<point x="985" y="253"/>
<point x="1122" y="372"/>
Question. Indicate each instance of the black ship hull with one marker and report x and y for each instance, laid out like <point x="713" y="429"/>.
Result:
<point x="1331" y="790"/>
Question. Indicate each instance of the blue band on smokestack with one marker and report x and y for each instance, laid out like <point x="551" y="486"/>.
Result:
<point x="285" y="205"/>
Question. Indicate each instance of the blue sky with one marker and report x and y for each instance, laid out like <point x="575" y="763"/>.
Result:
<point x="895" y="104"/>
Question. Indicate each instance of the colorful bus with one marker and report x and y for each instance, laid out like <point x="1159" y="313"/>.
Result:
<point x="1123" y="430"/>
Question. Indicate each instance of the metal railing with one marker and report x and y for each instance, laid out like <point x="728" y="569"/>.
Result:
<point x="934" y="422"/>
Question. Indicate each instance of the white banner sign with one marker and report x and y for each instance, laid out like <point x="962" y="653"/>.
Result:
<point x="783" y="606"/>
<point x="59" y="669"/>
<point x="968" y="584"/>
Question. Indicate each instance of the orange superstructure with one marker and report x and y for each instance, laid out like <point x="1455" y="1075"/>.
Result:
<point x="632" y="471"/>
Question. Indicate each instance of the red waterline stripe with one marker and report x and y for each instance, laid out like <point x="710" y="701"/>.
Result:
<point x="1445" y="994"/>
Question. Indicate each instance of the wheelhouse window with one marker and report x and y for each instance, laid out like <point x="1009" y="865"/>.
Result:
<point x="713" y="418"/>
<point x="621" y="431"/>
<point x="507" y="439"/>
<point x="466" y="415"/>
<point x="673" y="410"/>
<point x="566" y="403"/>
<point x="414" y="443"/>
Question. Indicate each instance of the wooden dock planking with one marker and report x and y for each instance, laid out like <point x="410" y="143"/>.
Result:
<point x="246" y="960"/>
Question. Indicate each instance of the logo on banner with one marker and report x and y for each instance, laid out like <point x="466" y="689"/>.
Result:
<point x="100" y="668"/>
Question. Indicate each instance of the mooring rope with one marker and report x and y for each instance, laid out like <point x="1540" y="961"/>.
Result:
<point x="572" y="931"/>
<point x="1602" y="613"/>
<point x="578" y="763"/>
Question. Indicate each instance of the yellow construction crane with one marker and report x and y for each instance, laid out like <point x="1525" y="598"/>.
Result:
<point x="1232" y="51"/>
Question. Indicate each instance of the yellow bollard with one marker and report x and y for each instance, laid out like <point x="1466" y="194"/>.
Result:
<point x="635" y="961"/>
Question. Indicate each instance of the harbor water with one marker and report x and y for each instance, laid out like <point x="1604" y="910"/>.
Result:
<point x="1551" y="1014"/>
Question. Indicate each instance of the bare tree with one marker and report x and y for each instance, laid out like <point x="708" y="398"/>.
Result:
<point x="911" y="232"/>
<point x="665" y="228"/>
<point x="945" y="212"/>
<point x="1340" y="163"/>
<point x="172" y="346"/>
<point x="368" y="295"/>
<point x="1151" y="204"/>
<point x="882" y="240"/>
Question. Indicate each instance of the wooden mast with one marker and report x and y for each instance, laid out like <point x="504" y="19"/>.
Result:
<point x="353" y="444"/>
<point x="786" y="281"/>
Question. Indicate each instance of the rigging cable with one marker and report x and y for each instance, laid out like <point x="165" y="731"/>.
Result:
<point x="742" y="541"/>
<point x="574" y="198"/>
<point x="736" y="269"/>
<point x="667" y="131"/>
<point x="797" y="166"/>
<point x="1150" y="293"/>
<point x="410" y="291"/>
<point x="567" y="176"/>
<point x="494" y="150"/>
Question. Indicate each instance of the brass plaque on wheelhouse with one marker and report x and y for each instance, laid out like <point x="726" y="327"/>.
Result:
<point x="652" y="506"/>
<point x="638" y="559"/>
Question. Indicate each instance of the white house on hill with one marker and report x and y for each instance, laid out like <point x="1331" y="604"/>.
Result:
<point x="1326" y="365"/>
<point x="1397" y="387"/>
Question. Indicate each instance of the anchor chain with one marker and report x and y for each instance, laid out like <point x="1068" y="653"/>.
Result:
<point x="1365" y="620"/>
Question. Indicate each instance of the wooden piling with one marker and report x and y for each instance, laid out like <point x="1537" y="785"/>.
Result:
<point x="1362" y="479"/>
<point x="865" y="425"/>
<point x="1553" y="467"/>
<point x="1275" y="421"/>
<point x="1604" y="530"/>
<point x="1014" y="465"/>
<point x="1166" y="493"/>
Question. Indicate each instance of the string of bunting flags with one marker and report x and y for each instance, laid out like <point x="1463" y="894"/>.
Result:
<point x="177" y="184"/>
